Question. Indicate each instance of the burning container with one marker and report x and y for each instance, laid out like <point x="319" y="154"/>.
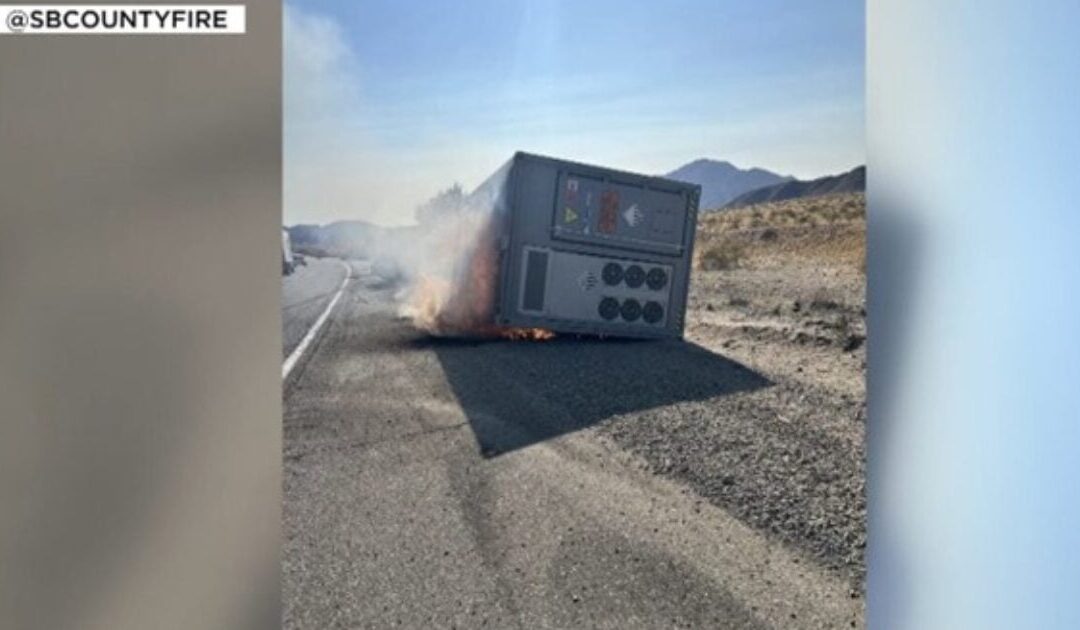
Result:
<point x="586" y="249"/>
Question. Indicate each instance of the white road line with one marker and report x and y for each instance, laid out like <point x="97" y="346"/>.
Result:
<point x="314" y="330"/>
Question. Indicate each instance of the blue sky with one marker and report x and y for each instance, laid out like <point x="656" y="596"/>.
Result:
<point x="388" y="102"/>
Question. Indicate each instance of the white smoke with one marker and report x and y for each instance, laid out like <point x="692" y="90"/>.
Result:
<point x="448" y="262"/>
<point x="453" y="264"/>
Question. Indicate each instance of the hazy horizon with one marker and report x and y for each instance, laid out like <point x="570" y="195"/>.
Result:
<point x="385" y="106"/>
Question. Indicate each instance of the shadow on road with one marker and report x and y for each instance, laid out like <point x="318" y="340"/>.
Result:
<point x="519" y="393"/>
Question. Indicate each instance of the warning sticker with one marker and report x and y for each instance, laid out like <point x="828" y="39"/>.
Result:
<point x="570" y="215"/>
<point x="609" y="212"/>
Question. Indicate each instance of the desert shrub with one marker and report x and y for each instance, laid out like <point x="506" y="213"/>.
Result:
<point x="720" y="256"/>
<point x="822" y="301"/>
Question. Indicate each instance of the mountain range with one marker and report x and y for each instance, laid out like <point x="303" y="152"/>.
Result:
<point x="340" y="238"/>
<point x="721" y="182"/>
<point x="724" y="185"/>
<point x="851" y="181"/>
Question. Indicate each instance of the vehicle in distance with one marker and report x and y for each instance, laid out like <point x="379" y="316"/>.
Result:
<point x="288" y="262"/>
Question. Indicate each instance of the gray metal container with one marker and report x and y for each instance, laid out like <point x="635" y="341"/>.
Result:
<point x="585" y="249"/>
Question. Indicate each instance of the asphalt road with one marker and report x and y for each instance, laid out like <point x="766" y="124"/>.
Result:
<point x="438" y="483"/>
<point x="304" y="295"/>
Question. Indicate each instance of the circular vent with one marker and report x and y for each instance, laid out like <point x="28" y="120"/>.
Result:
<point x="630" y="310"/>
<point x="609" y="308"/>
<point x="653" y="312"/>
<point x="612" y="274"/>
<point x="635" y="276"/>
<point x="656" y="279"/>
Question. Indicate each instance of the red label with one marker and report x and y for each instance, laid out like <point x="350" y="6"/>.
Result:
<point x="609" y="212"/>
<point x="571" y="190"/>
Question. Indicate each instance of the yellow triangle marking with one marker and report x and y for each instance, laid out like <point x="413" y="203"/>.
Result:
<point x="570" y="215"/>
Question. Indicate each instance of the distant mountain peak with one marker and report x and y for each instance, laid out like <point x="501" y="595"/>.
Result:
<point x="721" y="181"/>
<point x="707" y="161"/>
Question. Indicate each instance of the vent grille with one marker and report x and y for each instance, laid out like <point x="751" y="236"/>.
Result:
<point x="532" y="294"/>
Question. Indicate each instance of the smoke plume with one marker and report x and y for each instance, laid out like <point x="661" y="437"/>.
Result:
<point x="452" y="289"/>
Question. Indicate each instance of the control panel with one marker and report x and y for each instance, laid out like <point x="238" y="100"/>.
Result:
<point x="592" y="210"/>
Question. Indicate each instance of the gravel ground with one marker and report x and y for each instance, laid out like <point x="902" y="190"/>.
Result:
<point x="438" y="483"/>
<point x="719" y="483"/>
<point x="789" y="458"/>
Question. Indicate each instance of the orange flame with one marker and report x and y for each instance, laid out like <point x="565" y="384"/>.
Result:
<point x="464" y="305"/>
<point x="527" y="334"/>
